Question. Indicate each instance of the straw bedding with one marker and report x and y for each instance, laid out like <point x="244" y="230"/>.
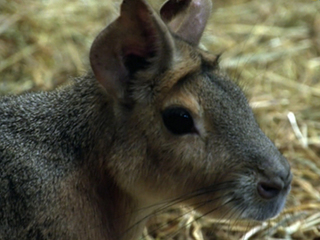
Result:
<point x="271" y="47"/>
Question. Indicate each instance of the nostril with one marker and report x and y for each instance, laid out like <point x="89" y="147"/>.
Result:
<point x="269" y="190"/>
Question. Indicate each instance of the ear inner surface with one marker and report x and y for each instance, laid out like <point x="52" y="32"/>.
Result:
<point x="172" y="8"/>
<point x="137" y="40"/>
<point x="187" y="19"/>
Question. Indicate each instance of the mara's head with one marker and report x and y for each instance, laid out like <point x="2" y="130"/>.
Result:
<point x="183" y="131"/>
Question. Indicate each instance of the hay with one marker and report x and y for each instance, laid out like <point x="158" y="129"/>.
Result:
<point x="273" y="47"/>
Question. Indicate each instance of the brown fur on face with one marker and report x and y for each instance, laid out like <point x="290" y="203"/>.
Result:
<point x="227" y="138"/>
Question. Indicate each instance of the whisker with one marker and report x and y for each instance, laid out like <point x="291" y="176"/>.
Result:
<point x="176" y="218"/>
<point x="171" y="202"/>
<point x="199" y="205"/>
<point x="197" y="218"/>
<point x="178" y="200"/>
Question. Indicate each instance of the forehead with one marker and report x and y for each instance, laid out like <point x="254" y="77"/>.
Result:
<point x="196" y="83"/>
<point x="187" y="61"/>
<point x="194" y="70"/>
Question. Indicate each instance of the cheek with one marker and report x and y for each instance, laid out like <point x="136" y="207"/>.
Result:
<point x="179" y="156"/>
<point x="194" y="161"/>
<point x="190" y="150"/>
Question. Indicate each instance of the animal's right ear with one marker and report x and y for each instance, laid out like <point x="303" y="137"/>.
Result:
<point x="138" y="40"/>
<point x="187" y="18"/>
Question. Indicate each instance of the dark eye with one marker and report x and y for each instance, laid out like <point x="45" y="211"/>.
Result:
<point x="178" y="120"/>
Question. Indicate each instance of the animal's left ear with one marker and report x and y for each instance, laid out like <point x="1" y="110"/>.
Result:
<point x="187" y="18"/>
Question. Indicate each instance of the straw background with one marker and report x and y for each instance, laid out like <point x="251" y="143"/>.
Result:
<point x="272" y="47"/>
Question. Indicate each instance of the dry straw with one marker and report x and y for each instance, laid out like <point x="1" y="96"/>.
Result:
<point x="271" y="47"/>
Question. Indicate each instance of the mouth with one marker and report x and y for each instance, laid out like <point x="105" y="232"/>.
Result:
<point x="264" y="210"/>
<point x="252" y="206"/>
<point x="242" y="200"/>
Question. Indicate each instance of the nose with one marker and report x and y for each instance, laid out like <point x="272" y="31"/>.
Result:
<point x="269" y="189"/>
<point x="274" y="180"/>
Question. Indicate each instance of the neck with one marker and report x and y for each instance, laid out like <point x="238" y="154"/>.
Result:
<point x="123" y="215"/>
<point x="116" y="214"/>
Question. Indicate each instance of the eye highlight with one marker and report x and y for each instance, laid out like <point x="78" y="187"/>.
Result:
<point x="178" y="120"/>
